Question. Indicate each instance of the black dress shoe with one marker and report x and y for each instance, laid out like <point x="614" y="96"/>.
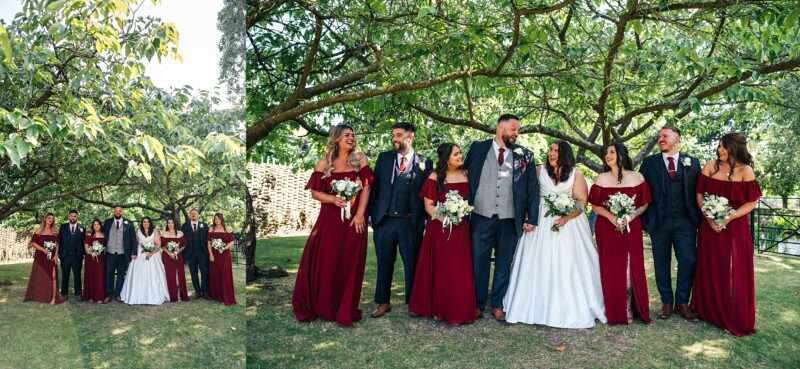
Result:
<point x="666" y="311"/>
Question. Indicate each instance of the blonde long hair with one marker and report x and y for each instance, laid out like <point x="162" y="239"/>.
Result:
<point x="332" y="150"/>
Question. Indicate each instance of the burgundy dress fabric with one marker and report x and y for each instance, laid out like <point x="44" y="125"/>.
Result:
<point x="615" y="251"/>
<point x="724" y="285"/>
<point x="94" y="272"/>
<point x="328" y="284"/>
<point x="443" y="280"/>
<point x="221" y="271"/>
<point x="173" y="268"/>
<point x="44" y="274"/>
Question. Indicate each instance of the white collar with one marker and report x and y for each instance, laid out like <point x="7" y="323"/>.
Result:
<point x="674" y="156"/>
<point x="409" y="156"/>
<point x="496" y="148"/>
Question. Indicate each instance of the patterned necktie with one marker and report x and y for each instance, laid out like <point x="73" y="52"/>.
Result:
<point x="671" y="167"/>
<point x="402" y="164"/>
<point x="501" y="158"/>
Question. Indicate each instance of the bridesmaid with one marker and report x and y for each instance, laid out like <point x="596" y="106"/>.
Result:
<point x="43" y="282"/>
<point x="173" y="262"/>
<point x="724" y="287"/>
<point x="220" y="268"/>
<point x="443" y="282"/>
<point x="94" y="270"/>
<point x="621" y="254"/>
<point x="331" y="270"/>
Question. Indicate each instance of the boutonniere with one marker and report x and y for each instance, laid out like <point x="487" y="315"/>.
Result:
<point x="202" y="225"/>
<point x="126" y="222"/>
<point x="519" y="151"/>
<point x="421" y="166"/>
<point x="687" y="162"/>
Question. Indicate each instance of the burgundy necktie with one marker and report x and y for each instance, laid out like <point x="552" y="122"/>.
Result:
<point x="117" y="224"/>
<point x="194" y="227"/>
<point x="501" y="158"/>
<point x="402" y="164"/>
<point x="671" y="167"/>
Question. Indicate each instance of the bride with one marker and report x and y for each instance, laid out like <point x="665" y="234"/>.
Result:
<point x="555" y="276"/>
<point x="146" y="281"/>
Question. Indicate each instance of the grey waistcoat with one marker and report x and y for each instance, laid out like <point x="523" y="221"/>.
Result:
<point x="115" y="238"/>
<point x="494" y="195"/>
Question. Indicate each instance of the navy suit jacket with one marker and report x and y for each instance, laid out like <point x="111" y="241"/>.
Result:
<point x="655" y="173"/>
<point x="129" y="242"/>
<point x="380" y="190"/>
<point x="526" y="184"/>
<point x="68" y="241"/>
<point x="201" y="245"/>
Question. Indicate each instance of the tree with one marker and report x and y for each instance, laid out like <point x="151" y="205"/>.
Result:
<point x="80" y="123"/>
<point x="588" y="72"/>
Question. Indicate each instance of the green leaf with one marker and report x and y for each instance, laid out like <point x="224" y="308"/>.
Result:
<point x="5" y="44"/>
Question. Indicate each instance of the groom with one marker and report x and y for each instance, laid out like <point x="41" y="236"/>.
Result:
<point x="120" y="250"/>
<point x="70" y="252"/>
<point x="672" y="219"/>
<point x="396" y="212"/>
<point x="504" y="190"/>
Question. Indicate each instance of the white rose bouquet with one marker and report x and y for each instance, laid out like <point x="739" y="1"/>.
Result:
<point x="50" y="246"/>
<point x="346" y="190"/>
<point x="623" y="207"/>
<point x="218" y="244"/>
<point x="559" y="205"/>
<point x="717" y="208"/>
<point x="452" y="210"/>
<point x="97" y="248"/>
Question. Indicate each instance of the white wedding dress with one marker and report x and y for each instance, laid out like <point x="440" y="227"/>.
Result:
<point x="555" y="276"/>
<point x="146" y="281"/>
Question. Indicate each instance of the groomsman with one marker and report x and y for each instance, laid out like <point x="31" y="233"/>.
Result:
<point x="196" y="252"/>
<point x="70" y="252"/>
<point x="504" y="189"/>
<point x="672" y="219"/>
<point x="396" y="212"/>
<point x="121" y="248"/>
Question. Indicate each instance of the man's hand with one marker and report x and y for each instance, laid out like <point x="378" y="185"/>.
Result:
<point x="528" y="227"/>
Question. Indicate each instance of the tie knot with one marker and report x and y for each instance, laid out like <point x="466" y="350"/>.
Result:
<point x="671" y="159"/>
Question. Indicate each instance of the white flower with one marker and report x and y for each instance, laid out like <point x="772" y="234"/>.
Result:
<point x="126" y="222"/>
<point x="687" y="162"/>
<point x="202" y="225"/>
<point x="519" y="151"/>
<point x="421" y="166"/>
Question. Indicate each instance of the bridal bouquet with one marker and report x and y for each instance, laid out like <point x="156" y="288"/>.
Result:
<point x="97" y="248"/>
<point x="149" y="246"/>
<point x="623" y="207"/>
<point x="346" y="190"/>
<point x="559" y="205"/>
<point x="173" y="247"/>
<point x="717" y="208"/>
<point x="50" y="246"/>
<point x="452" y="210"/>
<point x="218" y="244"/>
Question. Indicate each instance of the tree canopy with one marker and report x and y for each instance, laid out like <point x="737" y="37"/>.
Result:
<point x="80" y="123"/>
<point x="589" y="72"/>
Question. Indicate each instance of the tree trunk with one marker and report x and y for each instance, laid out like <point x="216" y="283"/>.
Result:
<point x="250" y="239"/>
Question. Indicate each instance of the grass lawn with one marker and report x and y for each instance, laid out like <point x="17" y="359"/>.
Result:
<point x="195" y="334"/>
<point x="276" y="340"/>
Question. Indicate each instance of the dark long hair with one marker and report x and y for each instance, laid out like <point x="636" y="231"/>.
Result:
<point x="566" y="162"/>
<point x="623" y="159"/>
<point x="221" y="221"/>
<point x="443" y="153"/>
<point x="736" y="145"/>
<point x="174" y="224"/>
<point x="141" y="226"/>
<point x="95" y="220"/>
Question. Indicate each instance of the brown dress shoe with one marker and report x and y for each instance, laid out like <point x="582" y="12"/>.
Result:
<point x="686" y="313"/>
<point x="381" y="310"/>
<point x="478" y="313"/>
<point x="666" y="311"/>
<point x="499" y="315"/>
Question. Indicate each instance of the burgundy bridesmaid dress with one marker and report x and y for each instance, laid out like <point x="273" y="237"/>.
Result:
<point x="221" y="271"/>
<point x="173" y="268"/>
<point x="619" y="253"/>
<point x="443" y="281"/>
<point x="724" y="285"/>
<point x="328" y="284"/>
<point x="94" y="272"/>
<point x="44" y="274"/>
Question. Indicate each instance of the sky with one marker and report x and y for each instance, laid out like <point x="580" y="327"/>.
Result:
<point x="196" y="21"/>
